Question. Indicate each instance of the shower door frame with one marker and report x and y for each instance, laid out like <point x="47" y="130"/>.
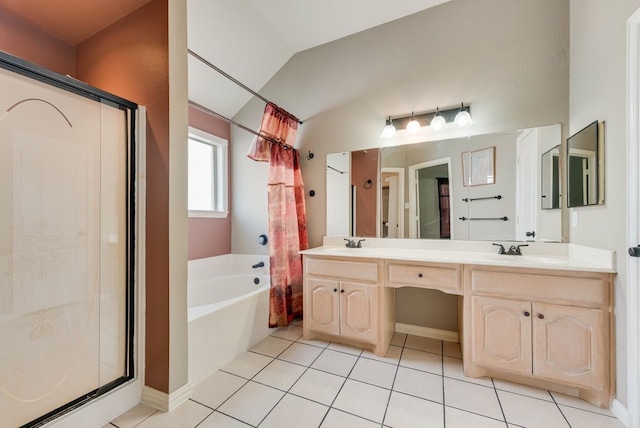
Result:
<point x="65" y="83"/>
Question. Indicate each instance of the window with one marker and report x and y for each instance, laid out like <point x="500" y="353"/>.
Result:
<point x="208" y="181"/>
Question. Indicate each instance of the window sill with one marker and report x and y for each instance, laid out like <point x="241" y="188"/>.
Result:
<point x="208" y="214"/>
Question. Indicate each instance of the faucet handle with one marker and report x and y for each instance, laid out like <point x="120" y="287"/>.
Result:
<point x="518" y="252"/>
<point x="350" y="243"/>
<point x="501" y="250"/>
<point x="359" y="245"/>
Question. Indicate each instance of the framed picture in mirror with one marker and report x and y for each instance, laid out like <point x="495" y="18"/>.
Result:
<point x="478" y="167"/>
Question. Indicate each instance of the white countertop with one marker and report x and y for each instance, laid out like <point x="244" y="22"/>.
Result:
<point x="556" y="256"/>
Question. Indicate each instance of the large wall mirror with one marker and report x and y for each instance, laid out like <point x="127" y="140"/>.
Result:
<point x="484" y="187"/>
<point x="585" y="166"/>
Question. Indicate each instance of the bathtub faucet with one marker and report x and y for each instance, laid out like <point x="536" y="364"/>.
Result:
<point x="258" y="265"/>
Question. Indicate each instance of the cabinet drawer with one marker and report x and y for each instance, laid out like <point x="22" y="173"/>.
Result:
<point x="363" y="271"/>
<point x="442" y="278"/>
<point x="590" y="292"/>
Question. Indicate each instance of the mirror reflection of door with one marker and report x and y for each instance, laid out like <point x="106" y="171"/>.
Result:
<point x="392" y="203"/>
<point x="430" y="200"/>
<point x="582" y="178"/>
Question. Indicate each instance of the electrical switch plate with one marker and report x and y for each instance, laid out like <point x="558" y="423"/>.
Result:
<point x="574" y="219"/>
<point x="406" y="205"/>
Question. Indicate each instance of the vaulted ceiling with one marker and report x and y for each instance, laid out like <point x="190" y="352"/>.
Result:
<point x="249" y="39"/>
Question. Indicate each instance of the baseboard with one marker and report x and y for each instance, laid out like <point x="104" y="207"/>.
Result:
<point x="163" y="401"/>
<point x="433" y="333"/>
<point x="621" y="412"/>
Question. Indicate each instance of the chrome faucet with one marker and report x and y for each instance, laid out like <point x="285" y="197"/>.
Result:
<point x="501" y="250"/>
<point x="258" y="265"/>
<point x="352" y="243"/>
<point x="514" y="250"/>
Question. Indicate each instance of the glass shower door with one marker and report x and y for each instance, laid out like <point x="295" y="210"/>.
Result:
<point x="63" y="247"/>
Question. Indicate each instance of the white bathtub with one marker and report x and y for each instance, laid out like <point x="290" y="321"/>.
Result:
<point x="228" y="313"/>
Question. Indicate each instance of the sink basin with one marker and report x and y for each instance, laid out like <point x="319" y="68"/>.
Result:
<point x="525" y="259"/>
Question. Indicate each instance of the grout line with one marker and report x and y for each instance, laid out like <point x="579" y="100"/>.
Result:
<point x="212" y="412"/>
<point x="478" y="414"/>
<point x="495" y="390"/>
<point x="234" y="418"/>
<point x="559" y="409"/>
<point x="444" y="407"/>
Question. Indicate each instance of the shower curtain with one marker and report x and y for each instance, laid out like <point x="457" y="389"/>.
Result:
<point x="287" y="213"/>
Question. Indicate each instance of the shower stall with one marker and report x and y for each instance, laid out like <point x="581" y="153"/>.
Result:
<point x="66" y="243"/>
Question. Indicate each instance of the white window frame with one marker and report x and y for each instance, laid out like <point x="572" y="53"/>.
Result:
<point x="221" y="179"/>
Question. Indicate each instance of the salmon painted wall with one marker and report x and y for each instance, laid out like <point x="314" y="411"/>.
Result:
<point x="28" y="42"/>
<point x="210" y="237"/>
<point x="130" y="59"/>
<point x="364" y="167"/>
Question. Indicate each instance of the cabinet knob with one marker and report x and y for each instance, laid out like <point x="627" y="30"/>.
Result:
<point x="335" y="290"/>
<point x="342" y="291"/>
<point x="526" y="314"/>
<point x="541" y="316"/>
<point x="419" y="275"/>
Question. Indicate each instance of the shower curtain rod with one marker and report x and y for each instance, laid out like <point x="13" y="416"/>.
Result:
<point x="237" y="82"/>
<point x="239" y="125"/>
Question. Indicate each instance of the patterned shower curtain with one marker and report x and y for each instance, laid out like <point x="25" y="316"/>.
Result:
<point x="287" y="213"/>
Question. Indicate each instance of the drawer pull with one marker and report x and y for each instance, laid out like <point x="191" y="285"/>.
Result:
<point x="526" y="314"/>
<point x="419" y="275"/>
<point x="541" y="316"/>
<point x="342" y="291"/>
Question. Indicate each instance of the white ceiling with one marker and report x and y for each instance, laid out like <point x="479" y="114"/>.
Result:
<point x="252" y="39"/>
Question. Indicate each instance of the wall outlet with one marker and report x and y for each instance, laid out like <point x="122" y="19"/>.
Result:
<point x="574" y="219"/>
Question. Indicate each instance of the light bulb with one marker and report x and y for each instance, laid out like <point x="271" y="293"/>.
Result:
<point x="389" y="131"/>
<point x="413" y="126"/>
<point x="463" y="118"/>
<point x="438" y="122"/>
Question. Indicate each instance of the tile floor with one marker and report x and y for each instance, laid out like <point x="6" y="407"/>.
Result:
<point x="285" y="381"/>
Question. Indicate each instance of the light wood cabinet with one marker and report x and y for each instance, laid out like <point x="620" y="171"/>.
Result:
<point x="345" y="301"/>
<point x="541" y="332"/>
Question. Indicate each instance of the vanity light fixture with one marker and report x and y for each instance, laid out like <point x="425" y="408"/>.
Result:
<point x="436" y="120"/>
<point x="413" y="126"/>
<point x="389" y="131"/>
<point x="463" y="118"/>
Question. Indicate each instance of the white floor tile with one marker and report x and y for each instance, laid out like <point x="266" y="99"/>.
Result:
<point x="214" y="390"/>
<point x="398" y="339"/>
<point x="392" y="356"/>
<point x="471" y="397"/>
<point x="134" y="416"/>
<point x="420" y="360"/>
<point x="344" y="348"/>
<point x="585" y="419"/>
<point x="579" y="403"/>
<point x="418" y="383"/>
<point x="314" y="342"/>
<point x="453" y="368"/>
<point x="271" y="346"/>
<point x="460" y="419"/>
<point x="517" y="388"/>
<point x="425" y="344"/>
<point x="218" y="420"/>
<point x="374" y="372"/>
<point x="291" y="332"/>
<point x="252" y="403"/>
<point x="451" y="349"/>
<point x="363" y="400"/>
<point x="188" y="414"/>
<point x="247" y="365"/>
<point x="335" y="362"/>
<point x="337" y="419"/>
<point x="531" y="412"/>
<point x="409" y="412"/>
<point x="280" y="374"/>
<point x="294" y="411"/>
<point x="318" y="386"/>
<point x="299" y="353"/>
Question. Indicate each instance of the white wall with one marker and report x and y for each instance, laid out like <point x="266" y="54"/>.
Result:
<point x="507" y="58"/>
<point x="598" y="92"/>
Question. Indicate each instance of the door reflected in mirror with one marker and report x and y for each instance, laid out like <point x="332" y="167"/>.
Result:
<point x="550" y="172"/>
<point x="585" y="178"/>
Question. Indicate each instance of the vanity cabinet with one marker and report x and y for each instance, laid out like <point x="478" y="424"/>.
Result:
<point x="541" y="326"/>
<point x="345" y="301"/>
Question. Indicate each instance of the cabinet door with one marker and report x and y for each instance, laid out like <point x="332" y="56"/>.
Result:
<point x="358" y="304"/>
<point x="322" y="305"/>
<point x="569" y="344"/>
<point x="501" y="334"/>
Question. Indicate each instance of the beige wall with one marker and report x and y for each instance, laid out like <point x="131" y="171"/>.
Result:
<point x="508" y="58"/>
<point x="598" y="92"/>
